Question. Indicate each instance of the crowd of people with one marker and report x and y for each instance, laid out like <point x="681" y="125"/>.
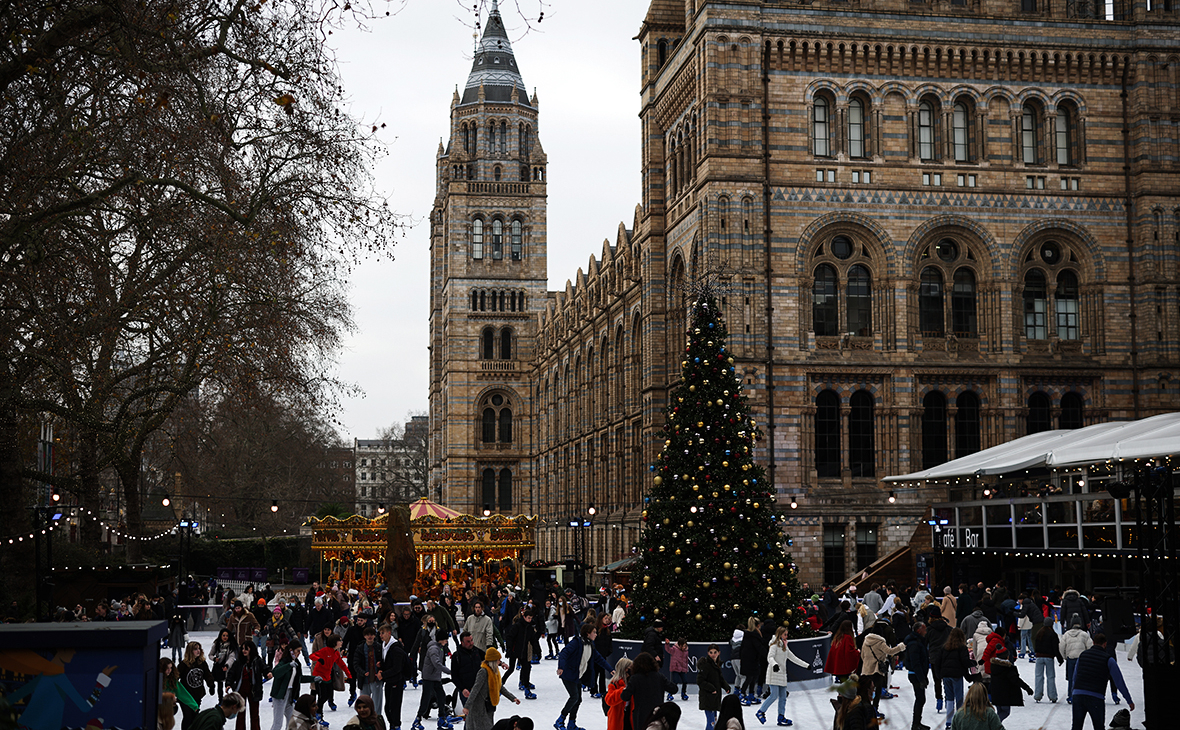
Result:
<point x="968" y="642"/>
<point x="459" y="650"/>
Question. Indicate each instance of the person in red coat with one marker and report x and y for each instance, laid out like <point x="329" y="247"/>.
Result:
<point x="322" y="662"/>
<point x="843" y="656"/>
<point x="617" y="717"/>
<point x="996" y="647"/>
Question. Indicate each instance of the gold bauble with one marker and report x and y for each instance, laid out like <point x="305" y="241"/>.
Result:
<point x="780" y="566"/>
<point x="684" y="363"/>
<point x="666" y="520"/>
<point x="769" y="589"/>
<point x="658" y="481"/>
<point x="700" y="424"/>
<point x="736" y="606"/>
<point x="731" y="361"/>
<point x="684" y="476"/>
<point x="696" y="487"/>
<point x="746" y="482"/>
<point x="671" y="604"/>
<point x="726" y="392"/>
<point x="710" y="343"/>
<point x="643" y="514"/>
<point x="677" y="567"/>
<point x="745" y="467"/>
<point x="712" y="607"/>
<point x="770" y="614"/>
<point x="701" y="467"/>
<point x="689" y="523"/>
<point x="727" y="566"/>
<point x="646" y="578"/>
<point x="697" y="331"/>
<point x="725" y="463"/>
<point x="756" y="505"/>
<point x="706" y="382"/>
<point x="677" y="551"/>
<point x="661" y="548"/>
<point x="788" y="610"/>
<point x="680" y="399"/>
<point x="720" y="402"/>
<point x="656" y="611"/>
<point x="645" y="585"/>
<point x="698" y="617"/>
<point x="692" y="389"/>
<point x="714" y="495"/>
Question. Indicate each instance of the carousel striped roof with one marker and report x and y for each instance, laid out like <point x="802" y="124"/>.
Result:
<point x="425" y="508"/>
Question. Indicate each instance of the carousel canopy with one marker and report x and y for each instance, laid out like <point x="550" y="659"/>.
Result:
<point x="425" y="508"/>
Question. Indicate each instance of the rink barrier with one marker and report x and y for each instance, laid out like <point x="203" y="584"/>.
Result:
<point x="813" y="650"/>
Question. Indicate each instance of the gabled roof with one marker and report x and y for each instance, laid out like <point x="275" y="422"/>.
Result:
<point x="494" y="66"/>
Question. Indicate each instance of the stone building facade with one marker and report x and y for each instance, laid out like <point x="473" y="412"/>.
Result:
<point x="936" y="226"/>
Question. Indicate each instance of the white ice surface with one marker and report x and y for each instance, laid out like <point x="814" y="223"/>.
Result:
<point x="809" y="709"/>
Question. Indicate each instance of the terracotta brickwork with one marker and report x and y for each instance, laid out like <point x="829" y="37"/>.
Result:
<point x="937" y="227"/>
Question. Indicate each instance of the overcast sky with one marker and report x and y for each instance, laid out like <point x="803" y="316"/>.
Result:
<point x="584" y="66"/>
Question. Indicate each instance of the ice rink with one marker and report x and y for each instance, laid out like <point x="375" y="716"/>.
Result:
<point x="809" y="709"/>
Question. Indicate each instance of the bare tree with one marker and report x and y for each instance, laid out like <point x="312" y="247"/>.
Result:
<point x="406" y="444"/>
<point x="181" y="197"/>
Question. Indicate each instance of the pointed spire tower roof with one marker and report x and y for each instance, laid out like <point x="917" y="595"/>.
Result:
<point x="494" y="67"/>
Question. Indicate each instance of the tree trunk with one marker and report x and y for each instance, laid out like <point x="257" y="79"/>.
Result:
<point x="128" y="470"/>
<point x="89" y="491"/>
<point x="400" y="560"/>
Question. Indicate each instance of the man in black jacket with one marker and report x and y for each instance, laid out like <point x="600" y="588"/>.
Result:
<point x="465" y="663"/>
<point x="396" y="668"/>
<point x="917" y="662"/>
<point x="653" y="641"/>
<point x="937" y="632"/>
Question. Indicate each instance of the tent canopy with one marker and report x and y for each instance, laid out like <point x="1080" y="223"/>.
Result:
<point x="1145" y="438"/>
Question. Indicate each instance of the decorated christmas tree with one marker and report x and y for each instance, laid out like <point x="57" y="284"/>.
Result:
<point x="712" y="551"/>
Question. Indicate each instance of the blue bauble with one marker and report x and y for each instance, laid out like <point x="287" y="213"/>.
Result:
<point x="696" y="359"/>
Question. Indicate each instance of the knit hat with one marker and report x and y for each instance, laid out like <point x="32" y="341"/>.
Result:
<point x="352" y="592"/>
<point x="1076" y="623"/>
<point x="278" y="612"/>
<point x="1048" y="621"/>
<point x="847" y="689"/>
<point x="261" y="601"/>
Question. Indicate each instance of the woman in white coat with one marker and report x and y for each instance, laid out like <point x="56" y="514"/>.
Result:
<point x="776" y="676"/>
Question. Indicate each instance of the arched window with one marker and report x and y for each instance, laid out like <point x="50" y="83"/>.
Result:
<point x="506" y="426"/>
<point x="1066" y="305"/>
<point x="661" y="53"/>
<point x="491" y="137"/>
<point x="517" y="241"/>
<point x="488" y="489"/>
<point x="1039" y="418"/>
<point x="496" y="173"/>
<point x="856" y="128"/>
<point x="963" y="318"/>
<point x="483" y="301"/>
<point x="960" y="122"/>
<point x="966" y="424"/>
<point x="1035" y="305"/>
<point x="860" y="302"/>
<point x="1029" y="144"/>
<point x="487" y="338"/>
<point x="1072" y="411"/>
<point x="503" y="137"/>
<point x="505" y="490"/>
<point x="934" y="429"/>
<point x="825" y="302"/>
<point x="930" y="304"/>
<point x="466" y="139"/>
<point x="489" y="426"/>
<point x="497" y="239"/>
<point x="477" y="238"/>
<point x="474" y="301"/>
<point x="820" y="129"/>
<point x="506" y="343"/>
<point x="925" y="131"/>
<point x="861" y="453"/>
<point x="1063" y="137"/>
<point x="827" y="434"/>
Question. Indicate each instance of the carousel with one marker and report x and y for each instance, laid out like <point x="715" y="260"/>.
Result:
<point x="449" y="547"/>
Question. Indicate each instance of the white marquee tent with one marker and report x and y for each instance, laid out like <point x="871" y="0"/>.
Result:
<point x="1157" y="436"/>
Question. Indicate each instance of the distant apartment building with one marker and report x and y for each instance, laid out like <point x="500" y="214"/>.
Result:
<point x="390" y="470"/>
